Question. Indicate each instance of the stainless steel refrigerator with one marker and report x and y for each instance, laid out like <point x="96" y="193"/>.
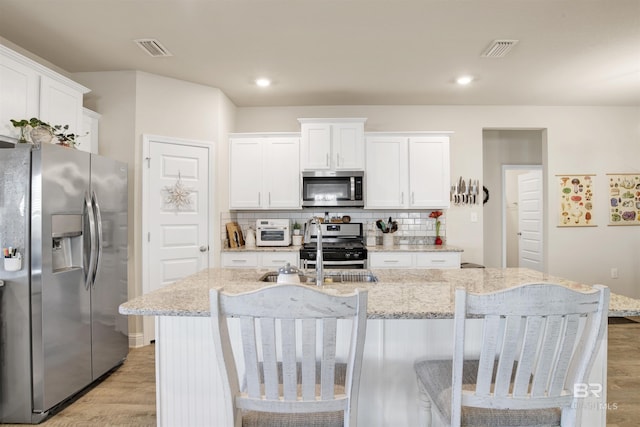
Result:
<point x="63" y="215"/>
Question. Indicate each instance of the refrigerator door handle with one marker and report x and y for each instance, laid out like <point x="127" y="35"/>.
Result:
<point x="98" y="214"/>
<point x="92" y="241"/>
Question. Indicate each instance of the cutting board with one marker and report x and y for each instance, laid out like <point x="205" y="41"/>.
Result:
<point x="234" y="233"/>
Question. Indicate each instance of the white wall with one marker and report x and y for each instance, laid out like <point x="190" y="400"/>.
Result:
<point x="596" y="140"/>
<point x="135" y="103"/>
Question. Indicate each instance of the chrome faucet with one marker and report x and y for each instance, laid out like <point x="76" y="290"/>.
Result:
<point x="319" y="257"/>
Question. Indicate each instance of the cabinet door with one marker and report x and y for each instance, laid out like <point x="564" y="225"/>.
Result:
<point x="386" y="172"/>
<point x="90" y="123"/>
<point x="239" y="260"/>
<point x="348" y="146"/>
<point x="390" y="259"/>
<point x="316" y="146"/>
<point x="438" y="260"/>
<point x="278" y="259"/>
<point x="60" y="105"/>
<point x="281" y="173"/>
<point x="18" y="94"/>
<point x="245" y="174"/>
<point x="428" y="172"/>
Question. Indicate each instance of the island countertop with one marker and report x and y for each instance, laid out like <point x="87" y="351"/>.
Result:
<point x="398" y="294"/>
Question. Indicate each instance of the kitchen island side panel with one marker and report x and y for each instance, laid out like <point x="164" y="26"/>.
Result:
<point x="189" y="391"/>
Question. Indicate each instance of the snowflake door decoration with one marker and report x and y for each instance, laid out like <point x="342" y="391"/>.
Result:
<point x="178" y="195"/>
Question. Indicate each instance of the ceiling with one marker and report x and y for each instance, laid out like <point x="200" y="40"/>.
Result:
<point x="351" y="52"/>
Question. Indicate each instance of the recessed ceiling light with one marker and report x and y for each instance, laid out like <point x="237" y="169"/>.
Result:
<point x="464" y="80"/>
<point x="262" y="82"/>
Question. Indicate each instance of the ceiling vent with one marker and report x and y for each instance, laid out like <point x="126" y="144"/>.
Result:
<point x="153" y="47"/>
<point x="498" y="48"/>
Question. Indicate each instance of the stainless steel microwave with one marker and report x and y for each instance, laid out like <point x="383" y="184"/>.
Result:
<point x="333" y="188"/>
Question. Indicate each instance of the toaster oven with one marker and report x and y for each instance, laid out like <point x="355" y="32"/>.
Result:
<point x="273" y="232"/>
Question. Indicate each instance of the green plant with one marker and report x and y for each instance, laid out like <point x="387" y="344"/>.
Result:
<point x="59" y="132"/>
<point x="296" y="225"/>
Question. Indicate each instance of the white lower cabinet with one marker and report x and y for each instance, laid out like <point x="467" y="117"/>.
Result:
<point x="258" y="259"/>
<point x="437" y="259"/>
<point x="414" y="259"/>
<point x="390" y="259"/>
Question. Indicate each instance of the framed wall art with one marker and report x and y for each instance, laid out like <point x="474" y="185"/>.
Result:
<point x="576" y="200"/>
<point x="624" y="198"/>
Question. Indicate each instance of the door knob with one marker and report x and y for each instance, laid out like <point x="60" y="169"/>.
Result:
<point x="204" y="248"/>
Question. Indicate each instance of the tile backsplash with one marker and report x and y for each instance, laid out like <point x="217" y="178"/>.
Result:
<point x="414" y="227"/>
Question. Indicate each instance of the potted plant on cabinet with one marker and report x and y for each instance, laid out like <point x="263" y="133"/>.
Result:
<point x="41" y="132"/>
<point x="296" y="228"/>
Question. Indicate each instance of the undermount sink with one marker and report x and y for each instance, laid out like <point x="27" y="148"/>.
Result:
<point x="332" y="277"/>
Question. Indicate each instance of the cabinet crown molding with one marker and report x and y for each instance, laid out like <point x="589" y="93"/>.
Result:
<point x="4" y="50"/>
<point x="332" y="120"/>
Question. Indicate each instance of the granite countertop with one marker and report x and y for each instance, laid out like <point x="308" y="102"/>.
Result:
<point x="398" y="294"/>
<point x="414" y="248"/>
<point x="377" y="248"/>
<point x="263" y="249"/>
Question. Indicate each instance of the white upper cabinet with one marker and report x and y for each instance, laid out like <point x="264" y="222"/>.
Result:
<point x="60" y="104"/>
<point x="332" y="144"/>
<point x="19" y="89"/>
<point x="386" y="173"/>
<point x="429" y="172"/>
<point x="28" y="89"/>
<point x="407" y="171"/>
<point x="264" y="171"/>
<point x="91" y="124"/>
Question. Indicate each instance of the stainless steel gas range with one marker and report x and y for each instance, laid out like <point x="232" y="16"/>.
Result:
<point x="342" y="246"/>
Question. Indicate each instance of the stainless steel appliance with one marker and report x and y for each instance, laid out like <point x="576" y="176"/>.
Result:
<point x="333" y="188"/>
<point x="342" y="246"/>
<point x="273" y="232"/>
<point x="65" y="212"/>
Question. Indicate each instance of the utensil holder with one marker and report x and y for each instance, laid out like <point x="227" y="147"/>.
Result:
<point x="12" y="264"/>
<point x="387" y="240"/>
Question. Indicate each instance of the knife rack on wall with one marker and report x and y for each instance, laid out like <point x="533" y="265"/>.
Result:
<point x="234" y="234"/>
<point x="465" y="192"/>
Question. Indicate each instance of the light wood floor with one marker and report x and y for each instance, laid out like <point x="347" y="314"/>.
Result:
<point x="127" y="397"/>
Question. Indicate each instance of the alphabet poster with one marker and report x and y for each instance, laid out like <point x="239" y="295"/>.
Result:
<point x="576" y="200"/>
<point x="624" y="199"/>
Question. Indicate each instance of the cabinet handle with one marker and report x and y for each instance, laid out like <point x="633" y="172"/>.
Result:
<point x="278" y="261"/>
<point x="338" y="159"/>
<point x="438" y="260"/>
<point x="239" y="260"/>
<point x="259" y="199"/>
<point x="391" y="260"/>
<point x="269" y="198"/>
<point x="402" y="198"/>
<point x="327" y="159"/>
<point x="413" y="198"/>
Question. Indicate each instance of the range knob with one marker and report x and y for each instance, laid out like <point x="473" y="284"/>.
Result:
<point x="347" y="255"/>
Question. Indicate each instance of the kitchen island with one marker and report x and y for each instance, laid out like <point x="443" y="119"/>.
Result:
<point x="410" y="316"/>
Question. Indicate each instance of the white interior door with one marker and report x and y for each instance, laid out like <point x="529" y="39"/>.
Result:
<point x="176" y="218"/>
<point x="530" y="220"/>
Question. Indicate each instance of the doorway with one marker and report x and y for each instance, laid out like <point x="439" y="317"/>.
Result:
<point x="176" y="212"/>
<point x="522" y="217"/>
<point x="503" y="147"/>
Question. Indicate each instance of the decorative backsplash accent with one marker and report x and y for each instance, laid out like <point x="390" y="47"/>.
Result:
<point x="414" y="227"/>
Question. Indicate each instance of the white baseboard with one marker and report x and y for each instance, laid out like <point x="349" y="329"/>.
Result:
<point x="136" y="340"/>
